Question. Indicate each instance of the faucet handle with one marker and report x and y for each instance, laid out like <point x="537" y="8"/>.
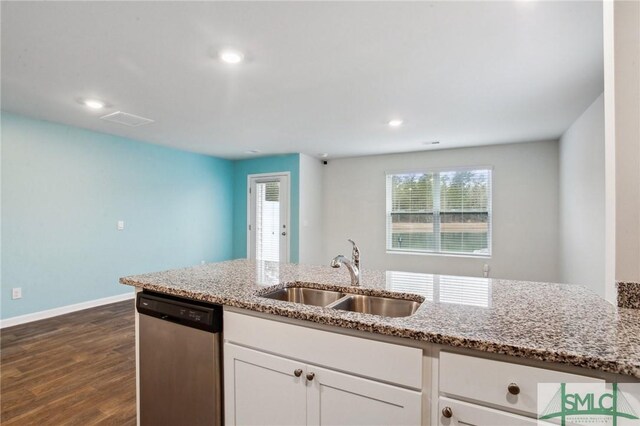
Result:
<point x="355" y="253"/>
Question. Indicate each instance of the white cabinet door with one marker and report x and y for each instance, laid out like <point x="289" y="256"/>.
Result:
<point x="262" y="389"/>
<point x="463" y="414"/>
<point x="335" y="398"/>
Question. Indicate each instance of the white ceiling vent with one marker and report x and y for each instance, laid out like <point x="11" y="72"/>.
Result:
<point x="126" y="119"/>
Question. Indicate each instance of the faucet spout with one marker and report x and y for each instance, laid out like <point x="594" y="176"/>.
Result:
<point x="354" y="271"/>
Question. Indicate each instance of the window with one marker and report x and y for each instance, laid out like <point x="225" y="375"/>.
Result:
<point x="445" y="211"/>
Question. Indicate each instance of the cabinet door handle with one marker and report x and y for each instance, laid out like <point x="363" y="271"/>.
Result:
<point x="310" y="376"/>
<point x="447" y="412"/>
<point x="513" y="389"/>
<point x="297" y="372"/>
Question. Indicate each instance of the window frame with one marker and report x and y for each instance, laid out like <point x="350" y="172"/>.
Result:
<point x="436" y="213"/>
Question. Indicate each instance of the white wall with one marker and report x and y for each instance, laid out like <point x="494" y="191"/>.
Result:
<point x="627" y="139"/>
<point x="525" y="210"/>
<point x="582" y="200"/>
<point x="311" y="229"/>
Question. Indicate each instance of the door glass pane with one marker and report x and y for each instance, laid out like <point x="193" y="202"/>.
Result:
<point x="268" y="221"/>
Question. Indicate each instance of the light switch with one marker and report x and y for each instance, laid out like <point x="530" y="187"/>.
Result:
<point x="120" y="225"/>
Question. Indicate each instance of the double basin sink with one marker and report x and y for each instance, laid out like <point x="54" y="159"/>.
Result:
<point x="375" y="305"/>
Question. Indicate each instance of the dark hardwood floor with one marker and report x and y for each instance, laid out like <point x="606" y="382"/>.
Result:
<point x="75" y="369"/>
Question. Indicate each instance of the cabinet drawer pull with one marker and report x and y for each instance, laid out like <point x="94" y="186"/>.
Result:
<point x="310" y="376"/>
<point x="297" y="372"/>
<point x="447" y="412"/>
<point x="513" y="389"/>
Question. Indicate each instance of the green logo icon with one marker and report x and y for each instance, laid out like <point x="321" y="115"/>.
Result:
<point x="587" y="405"/>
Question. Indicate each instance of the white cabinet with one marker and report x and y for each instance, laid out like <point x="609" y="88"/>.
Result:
<point x="265" y="389"/>
<point x="476" y="391"/>
<point x="508" y="385"/>
<point x="335" y="398"/>
<point x="380" y="361"/>
<point x="359" y="381"/>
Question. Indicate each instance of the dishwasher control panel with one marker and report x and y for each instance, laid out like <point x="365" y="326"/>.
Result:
<point x="182" y="311"/>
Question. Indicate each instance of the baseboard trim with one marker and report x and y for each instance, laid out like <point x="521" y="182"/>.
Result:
<point x="49" y="313"/>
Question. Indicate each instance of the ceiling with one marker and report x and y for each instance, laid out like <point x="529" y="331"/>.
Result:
<point x="318" y="77"/>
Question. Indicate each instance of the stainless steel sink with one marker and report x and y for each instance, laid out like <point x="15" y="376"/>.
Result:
<point x="383" y="306"/>
<point x="307" y="296"/>
<point x="375" y="305"/>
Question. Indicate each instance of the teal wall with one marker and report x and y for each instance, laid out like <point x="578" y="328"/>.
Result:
<point x="64" y="189"/>
<point x="243" y="168"/>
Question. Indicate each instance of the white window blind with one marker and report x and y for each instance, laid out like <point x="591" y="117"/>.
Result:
<point x="446" y="212"/>
<point x="268" y="221"/>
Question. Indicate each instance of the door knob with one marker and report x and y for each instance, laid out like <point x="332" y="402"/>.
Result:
<point x="447" y="412"/>
<point x="310" y="376"/>
<point x="284" y="233"/>
<point x="297" y="372"/>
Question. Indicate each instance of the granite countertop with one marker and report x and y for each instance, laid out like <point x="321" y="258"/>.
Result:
<point x="549" y="322"/>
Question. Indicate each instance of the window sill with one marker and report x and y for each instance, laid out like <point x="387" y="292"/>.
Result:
<point x="424" y="253"/>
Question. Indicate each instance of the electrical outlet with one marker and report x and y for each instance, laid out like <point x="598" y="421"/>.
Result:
<point x="16" y="293"/>
<point x="120" y="225"/>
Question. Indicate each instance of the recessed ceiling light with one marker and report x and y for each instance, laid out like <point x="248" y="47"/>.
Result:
<point x="231" y="56"/>
<point x="324" y="155"/>
<point x="93" y="103"/>
<point x="395" y="123"/>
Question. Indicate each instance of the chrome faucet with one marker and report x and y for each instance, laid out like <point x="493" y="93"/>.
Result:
<point x="353" y="265"/>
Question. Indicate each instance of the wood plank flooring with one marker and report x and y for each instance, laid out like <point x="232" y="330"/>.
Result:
<point x="75" y="369"/>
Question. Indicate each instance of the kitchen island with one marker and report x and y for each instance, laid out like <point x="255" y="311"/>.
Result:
<point x="466" y="328"/>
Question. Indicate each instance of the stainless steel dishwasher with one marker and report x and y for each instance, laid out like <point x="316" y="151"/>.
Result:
<point x="180" y="361"/>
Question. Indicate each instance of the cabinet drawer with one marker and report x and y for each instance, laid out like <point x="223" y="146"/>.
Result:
<point x="463" y="413"/>
<point x="487" y="380"/>
<point x="369" y="358"/>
